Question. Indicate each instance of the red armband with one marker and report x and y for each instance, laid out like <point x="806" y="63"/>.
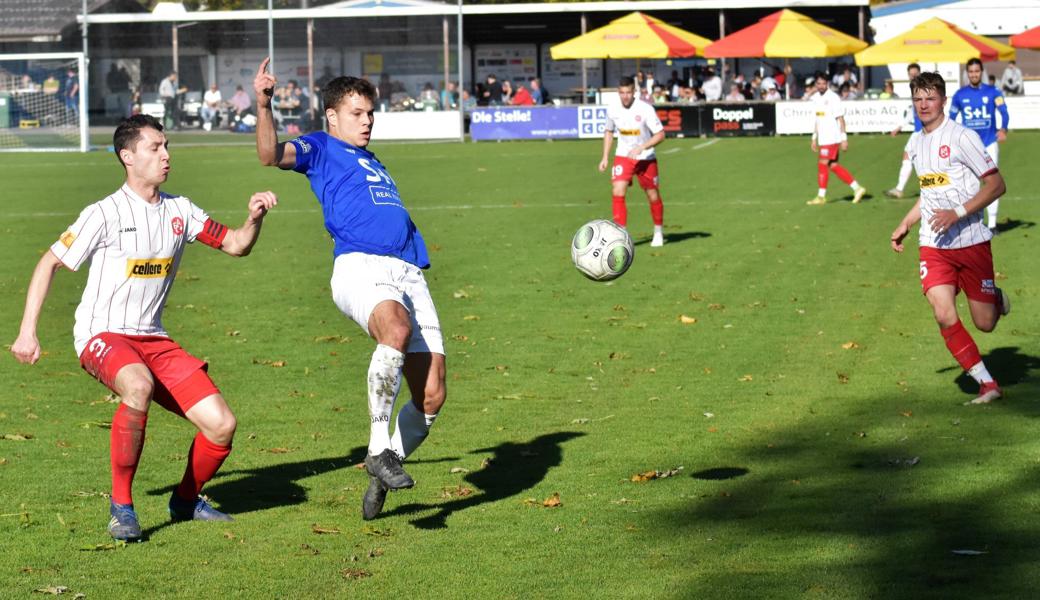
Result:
<point x="212" y="234"/>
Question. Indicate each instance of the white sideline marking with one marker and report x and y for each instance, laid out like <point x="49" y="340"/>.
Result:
<point x="706" y="144"/>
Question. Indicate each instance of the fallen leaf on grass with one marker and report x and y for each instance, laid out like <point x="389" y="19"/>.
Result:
<point x="459" y="470"/>
<point x="455" y="492"/>
<point x="228" y="535"/>
<point x="460" y="294"/>
<point x="621" y="501"/>
<point x="308" y="549"/>
<point x="843" y="378"/>
<point x="269" y="363"/>
<point x="651" y="475"/>
<point x="17" y="437"/>
<point x="746" y="378"/>
<point x="376" y="532"/>
<point x="350" y="574"/>
<point x="315" y="528"/>
<point x="686" y="320"/>
<point x="716" y="306"/>
<point x="471" y="318"/>
<point x="102" y="547"/>
<point x="485" y="463"/>
<point x="279" y="450"/>
<point x="53" y="590"/>
<point x="908" y="413"/>
<point x="850" y="345"/>
<point x="552" y="501"/>
<point x="460" y="338"/>
<point x="907" y="462"/>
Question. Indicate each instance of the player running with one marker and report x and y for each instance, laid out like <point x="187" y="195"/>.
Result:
<point x="639" y="130"/>
<point x="134" y="240"/>
<point x="377" y="275"/>
<point x="828" y="136"/>
<point x="954" y="244"/>
<point x="978" y="105"/>
<point x="912" y="70"/>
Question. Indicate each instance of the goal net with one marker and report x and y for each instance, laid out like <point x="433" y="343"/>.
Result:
<point x="42" y="102"/>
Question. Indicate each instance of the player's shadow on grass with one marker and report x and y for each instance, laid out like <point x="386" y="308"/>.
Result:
<point x="1008" y="366"/>
<point x="720" y="473"/>
<point x="1011" y="224"/>
<point x="513" y="469"/>
<point x="675" y="238"/>
<point x="265" y="487"/>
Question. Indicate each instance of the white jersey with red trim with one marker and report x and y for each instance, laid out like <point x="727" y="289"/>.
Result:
<point x="827" y="108"/>
<point x="633" y="126"/>
<point x="949" y="162"/>
<point x="134" y="249"/>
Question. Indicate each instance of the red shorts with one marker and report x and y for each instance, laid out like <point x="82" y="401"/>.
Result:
<point x="830" y="152"/>
<point x="180" y="378"/>
<point x="644" y="170"/>
<point x="969" y="269"/>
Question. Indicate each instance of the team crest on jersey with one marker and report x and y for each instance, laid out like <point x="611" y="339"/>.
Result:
<point x="944" y="151"/>
<point x="178" y="225"/>
<point x="67" y="238"/>
<point x="639" y="118"/>
<point x="934" y="180"/>
<point x="985" y="99"/>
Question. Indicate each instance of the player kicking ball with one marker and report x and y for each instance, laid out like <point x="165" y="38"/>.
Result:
<point x="377" y="273"/>
<point x="134" y="240"/>
<point x="828" y="137"/>
<point x="638" y="130"/>
<point x="950" y="160"/>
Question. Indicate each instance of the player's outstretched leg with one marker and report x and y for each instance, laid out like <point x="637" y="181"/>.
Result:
<point x="209" y="449"/>
<point x="904" y="176"/>
<point x="822" y="176"/>
<point x="384" y="382"/>
<point x="858" y="191"/>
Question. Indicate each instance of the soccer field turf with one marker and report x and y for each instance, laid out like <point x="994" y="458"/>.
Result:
<point x="780" y="354"/>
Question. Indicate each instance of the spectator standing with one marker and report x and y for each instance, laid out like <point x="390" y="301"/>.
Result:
<point x="493" y="90"/>
<point x="712" y="86"/>
<point x="537" y="93"/>
<point x="70" y="92"/>
<point x="168" y="94"/>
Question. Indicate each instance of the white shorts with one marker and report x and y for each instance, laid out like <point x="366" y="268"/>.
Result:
<point x="994" y="152"/>
<point x="361" y="281"/>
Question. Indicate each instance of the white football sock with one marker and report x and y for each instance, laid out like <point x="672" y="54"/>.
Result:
<point x="991" y="213"/>
<point x="854" y="185"/>
<point x="980" y="374"/>
<point x="822" y="192"/>
<point x="384" y="381"/>
<point x="904" y="174"/>
<point x="411" y="429"/>
<point x="658" y="229"/>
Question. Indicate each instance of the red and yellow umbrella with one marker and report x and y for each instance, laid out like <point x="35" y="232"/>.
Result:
<point x="934" y="40"/>
<point x="632" y="36"/>
<point x="1029" y="38"/>
<point x="785" y="34"/>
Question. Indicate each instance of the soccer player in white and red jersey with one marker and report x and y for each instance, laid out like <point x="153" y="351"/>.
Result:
<point x="134" y="240"/>
<point x="828" y="137"/>
<point x="950" y="160"/>
<point x="638" y="131"/>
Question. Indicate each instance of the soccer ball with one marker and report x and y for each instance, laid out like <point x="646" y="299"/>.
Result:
<point x="602" y="250"/>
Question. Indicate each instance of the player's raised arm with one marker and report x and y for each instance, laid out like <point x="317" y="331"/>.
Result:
<point x="271" y="152"/>
<point x="27" y="347"/>
<point x="239" y="242"/>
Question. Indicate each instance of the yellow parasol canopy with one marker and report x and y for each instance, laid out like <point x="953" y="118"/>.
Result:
<point x="632" y="36"/>
<point x="934" y="40"/>
<point x="785" y="34"/>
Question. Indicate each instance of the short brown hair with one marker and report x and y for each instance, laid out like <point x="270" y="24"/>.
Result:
<point x="347" y="86"/>
<point x="928" y="81"/>
<point x="128" y="133"/>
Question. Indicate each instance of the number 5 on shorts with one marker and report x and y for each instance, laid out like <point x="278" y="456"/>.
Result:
<point x="924" y="269"/>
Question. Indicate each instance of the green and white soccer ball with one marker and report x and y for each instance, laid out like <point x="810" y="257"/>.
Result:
<point x="602" y="250"/>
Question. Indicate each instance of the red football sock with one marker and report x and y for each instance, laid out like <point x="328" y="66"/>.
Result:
<point x="657" y="212"/>
<point x="620" y="211"/>
<point x="961" y="346"/>
<point x="127" y="440"/>
<point x="822" y="174"/>
<point x="204" y="458"/>
<point x="842" y="173"/>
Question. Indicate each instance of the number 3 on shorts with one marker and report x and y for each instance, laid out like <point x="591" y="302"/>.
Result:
<point x="924" y="269"/>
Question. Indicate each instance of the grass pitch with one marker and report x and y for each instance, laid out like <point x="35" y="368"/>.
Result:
<point x="780" y="354"/>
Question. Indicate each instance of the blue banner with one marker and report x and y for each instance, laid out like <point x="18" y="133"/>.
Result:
<point x="524" y="123"/>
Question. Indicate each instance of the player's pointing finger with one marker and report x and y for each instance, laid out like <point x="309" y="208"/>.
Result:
<point x="263" y="66"/>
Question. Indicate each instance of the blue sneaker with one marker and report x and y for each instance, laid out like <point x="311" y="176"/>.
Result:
<point x="123" y="526"/>
<point x="194" y="510"/>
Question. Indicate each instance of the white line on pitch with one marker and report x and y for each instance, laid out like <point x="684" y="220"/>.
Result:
<point x="706" y="144"/>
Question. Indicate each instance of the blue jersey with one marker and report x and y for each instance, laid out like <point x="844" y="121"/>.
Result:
<point x="363" y="211"/>
<point x="977" y="108"/>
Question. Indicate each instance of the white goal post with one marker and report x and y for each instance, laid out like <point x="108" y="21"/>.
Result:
<point x="43" y="102"/>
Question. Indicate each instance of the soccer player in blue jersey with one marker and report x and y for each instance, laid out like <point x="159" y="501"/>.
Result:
<point x="377" y="276"/>
<point x="912" y="70"/>
<point x="977" y="106"/>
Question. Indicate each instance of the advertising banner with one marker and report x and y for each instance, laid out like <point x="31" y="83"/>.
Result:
<point x="525" y="123"/>
<point x="861" y="116"/>
<point x="680" y="121"/>
<point x="738" y="119"/>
